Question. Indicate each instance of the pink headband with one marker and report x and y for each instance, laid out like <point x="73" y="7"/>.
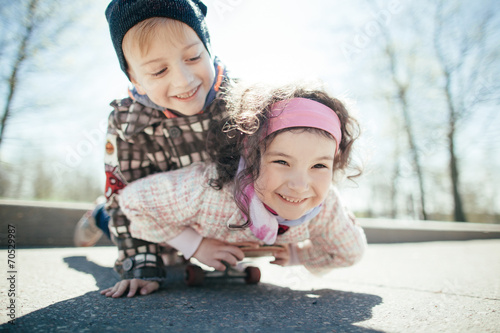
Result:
<point x="303" y="112"/>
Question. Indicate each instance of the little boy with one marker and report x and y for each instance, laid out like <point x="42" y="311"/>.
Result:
<point x="163" y="46"/>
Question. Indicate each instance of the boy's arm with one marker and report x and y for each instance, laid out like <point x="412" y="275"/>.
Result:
<point x="210" y="252"/>
<point x="125" y="162"/>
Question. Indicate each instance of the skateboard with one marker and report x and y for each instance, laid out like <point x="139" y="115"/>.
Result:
<point x="196" y="275"/>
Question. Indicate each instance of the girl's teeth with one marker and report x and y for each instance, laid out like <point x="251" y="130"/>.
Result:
<point x="187" y="95"/>
<point x="291" y="200"/>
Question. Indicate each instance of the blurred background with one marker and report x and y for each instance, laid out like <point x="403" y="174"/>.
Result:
<point x="422" y="78"/>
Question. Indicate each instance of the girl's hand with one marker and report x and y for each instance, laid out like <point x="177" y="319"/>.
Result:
<point x="282" y="257"/>
<point x="213" y="252"/>
<point x="143" y="286"/>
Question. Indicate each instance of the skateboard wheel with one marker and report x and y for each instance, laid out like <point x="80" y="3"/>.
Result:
<point x="253" y="275"/>
<point x="194" y="275"/>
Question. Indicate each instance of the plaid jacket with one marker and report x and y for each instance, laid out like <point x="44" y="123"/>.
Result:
<point x="162" y="206"/>
<point x="141" y="141"/>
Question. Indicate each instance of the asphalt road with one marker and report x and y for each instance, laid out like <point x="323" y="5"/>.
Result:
<point x="412" y="287"/>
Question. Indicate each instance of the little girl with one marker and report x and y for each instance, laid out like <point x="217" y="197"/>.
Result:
<point x="271" y="183"/>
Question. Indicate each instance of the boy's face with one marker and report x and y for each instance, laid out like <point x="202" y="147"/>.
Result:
<point x="175" y="70"/>
<point x="296" y="172"/>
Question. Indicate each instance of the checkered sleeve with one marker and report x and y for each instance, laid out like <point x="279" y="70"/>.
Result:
<point x="125" y="161"/>
<point x="336" y="240"/>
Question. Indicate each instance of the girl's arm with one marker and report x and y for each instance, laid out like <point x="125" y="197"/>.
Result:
<point x="213" y="252"/>
<point x="336" y="240"/>
<point x="161" y="206"/>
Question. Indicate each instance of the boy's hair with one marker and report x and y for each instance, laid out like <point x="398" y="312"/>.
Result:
<point x="246" y="124"/>
<point x="124" y="14"/>
<point x="143" y="33"/>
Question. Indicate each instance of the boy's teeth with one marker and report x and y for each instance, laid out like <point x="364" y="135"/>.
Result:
<point x="290" y="200"/>
<point x="187" y="95"/>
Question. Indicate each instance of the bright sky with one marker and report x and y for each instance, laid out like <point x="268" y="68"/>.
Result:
<point x="271" y="40"/>
<point x="276" y="41"/>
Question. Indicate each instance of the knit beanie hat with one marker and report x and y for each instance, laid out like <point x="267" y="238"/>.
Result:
<point x="124" y="14"/>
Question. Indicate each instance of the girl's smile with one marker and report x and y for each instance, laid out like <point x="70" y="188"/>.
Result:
<point x="291" y="200"/>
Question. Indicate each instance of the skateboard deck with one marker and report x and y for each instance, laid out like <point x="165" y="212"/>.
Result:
<point x="261" y="251"/>
<point x="196" y="275"/>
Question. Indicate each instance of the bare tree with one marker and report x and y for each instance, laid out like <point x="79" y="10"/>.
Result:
<point x="402" y="75"/>
<point x="401" y="89"/>
<point x="394" y="179"/>
<point x="29" y="27"/>
<point x="43" y="185"/>
<point x="465" y="56"/>
<point x="442" y="62"/>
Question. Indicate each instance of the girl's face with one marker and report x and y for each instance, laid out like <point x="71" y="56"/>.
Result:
<point x="296" y="172"/>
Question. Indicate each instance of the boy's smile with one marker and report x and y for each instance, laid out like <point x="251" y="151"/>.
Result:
<point x="188" y="95"/>
<point x="174" y="68"/>
<point x="296" y="172"/>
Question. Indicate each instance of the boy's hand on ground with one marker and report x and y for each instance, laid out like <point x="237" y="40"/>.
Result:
<point x="143" y="286"/>
<point x="213" y="252"/>
<point x="281" y="257"/>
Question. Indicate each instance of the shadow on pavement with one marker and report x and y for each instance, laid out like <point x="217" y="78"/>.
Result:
<point x="215" y="307"/>
<point x="105" y="277"/>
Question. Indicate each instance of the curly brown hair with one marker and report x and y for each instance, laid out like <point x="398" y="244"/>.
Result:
<point x="240" y="133"/>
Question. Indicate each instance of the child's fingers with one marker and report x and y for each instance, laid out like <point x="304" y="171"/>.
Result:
<point x="277" y="262"/>
<point x="236" y="252"/>
<point x="281" y="250"/>
<point x="230" y="255"/>
<point x="134" y="284"/>
<point x="218" y="265"/>
<point x="252" y="245"/>
<point x="228" y="258"/>
<point x="280" y="254"/>
<point x="105" y="291"/>
<point x="120" y="288"/>
<point x="108" y="292"/>
<point x="112" y="290"/>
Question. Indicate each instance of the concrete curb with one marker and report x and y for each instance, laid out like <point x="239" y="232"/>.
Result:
<point x="42" y="224"/>
<point x="51" y="224"/>
<point x="404" y="231"/>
